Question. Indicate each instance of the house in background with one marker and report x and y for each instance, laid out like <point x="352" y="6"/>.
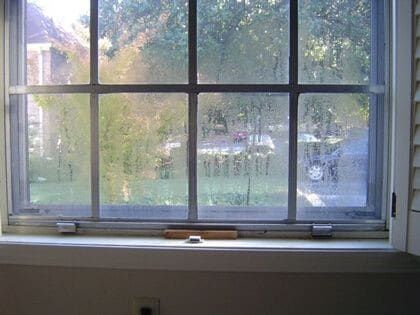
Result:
<point x="48" y="49"/>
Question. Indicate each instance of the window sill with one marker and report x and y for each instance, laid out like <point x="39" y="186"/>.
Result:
<point x="243" y="255"/>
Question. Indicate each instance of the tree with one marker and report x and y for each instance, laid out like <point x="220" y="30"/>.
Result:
<point x="335" y="37"/>
<point x="335" y="41"/>
<point x="242" y="41"/>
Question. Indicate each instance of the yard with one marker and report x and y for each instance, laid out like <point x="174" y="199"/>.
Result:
<point x="218" y="190"/>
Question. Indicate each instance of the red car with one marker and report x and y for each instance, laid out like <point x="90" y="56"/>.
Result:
<point x="239" y="136"/>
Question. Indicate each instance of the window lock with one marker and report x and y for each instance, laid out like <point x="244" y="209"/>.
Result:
<point x="322" y="231"/>
<point x="67" y="227"/>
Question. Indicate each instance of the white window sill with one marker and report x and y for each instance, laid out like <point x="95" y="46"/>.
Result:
<point x="243" y="255"/>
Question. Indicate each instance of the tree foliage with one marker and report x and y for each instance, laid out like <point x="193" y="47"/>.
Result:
<point x="239" y="41"/>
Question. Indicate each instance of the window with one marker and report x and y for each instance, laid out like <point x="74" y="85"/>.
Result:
<point x="246" y="113"/>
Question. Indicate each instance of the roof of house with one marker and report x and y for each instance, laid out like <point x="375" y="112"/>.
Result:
<point x="41" y="29"/>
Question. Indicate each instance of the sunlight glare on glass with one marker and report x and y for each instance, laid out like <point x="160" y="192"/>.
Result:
<point x="64" y="13"/>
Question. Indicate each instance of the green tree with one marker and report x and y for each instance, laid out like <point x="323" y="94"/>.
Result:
<point x="244" y="41"/>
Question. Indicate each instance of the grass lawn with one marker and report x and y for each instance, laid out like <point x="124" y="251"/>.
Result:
<point x="218" y="190"/>
<point x="50" y="193"/>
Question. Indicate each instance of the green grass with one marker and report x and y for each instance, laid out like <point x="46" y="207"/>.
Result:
<point x="49" y="193"/>
<point x="218" y="190"/>
<point x="233" y="191"/>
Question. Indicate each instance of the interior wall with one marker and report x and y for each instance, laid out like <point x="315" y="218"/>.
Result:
<point x="46" y="290"/>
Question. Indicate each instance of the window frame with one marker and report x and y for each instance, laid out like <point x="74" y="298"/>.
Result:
<point x="193" y="89"/>
<point x="403" y="105"/>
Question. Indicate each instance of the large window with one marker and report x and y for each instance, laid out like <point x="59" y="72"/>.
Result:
<point x="228" y="112"/>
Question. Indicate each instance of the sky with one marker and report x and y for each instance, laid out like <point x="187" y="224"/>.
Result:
<point x="63" y="12"/>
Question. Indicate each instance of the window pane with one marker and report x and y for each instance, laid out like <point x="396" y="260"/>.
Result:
<point x="243" y="156"/>
<point x="333" y="158"/>
<point x="243" y="41"/>
<point x="58" y="154"/>
<point x="334" y="41"/>
<point x="57" y="42"/>
<point x="143" y="41"/>
<point x="143" y="156"/>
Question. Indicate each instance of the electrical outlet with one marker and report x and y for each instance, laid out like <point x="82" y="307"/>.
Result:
<point x="145" y="306"/>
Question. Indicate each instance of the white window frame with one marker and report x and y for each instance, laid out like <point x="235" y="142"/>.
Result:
<point x="405" y="226"/>
<point x="39" y="225"/>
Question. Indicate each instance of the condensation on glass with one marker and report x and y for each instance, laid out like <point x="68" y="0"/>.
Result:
<point x="244" y="143"/>
<point x="57" y="42"/>
<point x="333" y="156"/>
<point x="243" y="41"/>
<point x="143" y="156"/>
<point x="143" y="41"/>
<point x="55" y="153"/>
<point x="243" y="155"/>
<point x="334" y="41"/>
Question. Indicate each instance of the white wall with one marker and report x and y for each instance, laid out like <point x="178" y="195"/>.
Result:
<point x="46" y="290"/>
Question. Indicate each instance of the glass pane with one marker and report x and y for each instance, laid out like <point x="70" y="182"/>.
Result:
<point x="243" y="156"/>
<point x="143" y="156"/>
<point x="143" y="41"/>
<point x="334" y="41"/>
<point x="57" y="42"/>
<point x="333" y="142"/>
<point x="243" y="41"/>
<point x="58" y="148"/>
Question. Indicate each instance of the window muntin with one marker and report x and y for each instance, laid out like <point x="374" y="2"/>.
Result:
<point x="195" y="208"/>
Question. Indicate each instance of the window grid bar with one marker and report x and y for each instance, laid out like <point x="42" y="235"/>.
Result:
<point x="192" y="157"/>
<point x="94" y="111"/>
<point x="192" y="111"/>
<point x="94" y="154"/>
<point x="293" y="142"/>
<point x="294" y="44"/>
<point x="293" y="111"/>
<point x="192" y="42"/>
<point x="195" y="88"/>
<point x="94" y="37"/>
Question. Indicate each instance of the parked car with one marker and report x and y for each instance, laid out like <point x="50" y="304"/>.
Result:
<point x="263" y="143"/>
<point x="304" y="137"/>
<point x="239" y="136"/>
<point x="216" y="154"/>
<point x="349" y="159"/>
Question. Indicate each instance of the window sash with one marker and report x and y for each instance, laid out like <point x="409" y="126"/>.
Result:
<point x="376" y="88"/>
